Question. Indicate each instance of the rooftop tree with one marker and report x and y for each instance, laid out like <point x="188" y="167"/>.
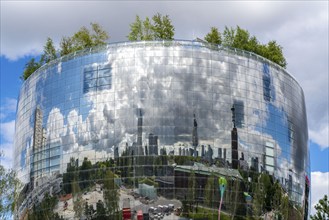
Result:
<point x="160" y="28"/>
<point x="213" y="36"/>
<point x="49" y="51"/>
<point x="136" y="31"/>
<point x="84" y="38"/>
<point x="66" y="46"/>
<point x="241" y="39"/>
<point x="147" y="30"/>
<point x="30" y="67"/>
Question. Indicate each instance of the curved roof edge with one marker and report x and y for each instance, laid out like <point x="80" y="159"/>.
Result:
<point x="165" y="43"/>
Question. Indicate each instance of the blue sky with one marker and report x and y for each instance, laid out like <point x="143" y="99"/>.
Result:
<point x="301" y="27"/>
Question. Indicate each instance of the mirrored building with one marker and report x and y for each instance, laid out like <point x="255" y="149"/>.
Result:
<point x="147" y="128"/>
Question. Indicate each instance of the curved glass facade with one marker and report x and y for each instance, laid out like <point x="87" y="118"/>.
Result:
<point x="147" y="129"/>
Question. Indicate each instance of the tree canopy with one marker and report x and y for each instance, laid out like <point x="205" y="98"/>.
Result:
<point x="159" y="28"/>
<point x="9" y="187"/>
<point x="49" y="51"/>
<point x="84" y="38"/>
<point x="322" y="209"/>
<point x="241" y="39"/>
<point x="30" y="67"/>
<point x="213" y="36"/>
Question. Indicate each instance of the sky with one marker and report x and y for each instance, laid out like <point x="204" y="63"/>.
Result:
<point x="300" y="27"/>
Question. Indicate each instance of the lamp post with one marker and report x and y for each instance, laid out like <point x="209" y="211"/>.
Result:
<point x="222" y="185"/>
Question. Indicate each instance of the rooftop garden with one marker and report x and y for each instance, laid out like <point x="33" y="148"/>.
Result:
<point x="158" y="27"/>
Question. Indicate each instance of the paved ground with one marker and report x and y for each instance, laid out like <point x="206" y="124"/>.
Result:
<point x="92" y="197"/>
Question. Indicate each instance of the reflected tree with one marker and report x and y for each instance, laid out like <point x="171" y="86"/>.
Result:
<point x="210" y="191"/>
<point x="78" y="206"/>
<point x="110" y="193"/>
<point x="100" y="211"/>
<point x="191" y="194"/>
<point x="85" y="174"/>
<point x="44" y="210"/>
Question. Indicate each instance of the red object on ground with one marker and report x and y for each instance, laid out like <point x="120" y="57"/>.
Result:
<point x="139" y="215"/>
<point x="126" y="213"/>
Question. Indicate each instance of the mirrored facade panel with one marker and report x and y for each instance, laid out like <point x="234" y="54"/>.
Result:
<point x="155" y="129"/>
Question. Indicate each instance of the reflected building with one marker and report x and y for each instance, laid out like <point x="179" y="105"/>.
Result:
<point x="161" y="119"/>
<point x="153" y="144"/>
<point x="139" y="150"/>
<point x="195" y="139"/>
<point x="234" y="141"/>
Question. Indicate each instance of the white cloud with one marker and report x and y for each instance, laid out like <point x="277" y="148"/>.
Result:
<point x="305" y="42"/>
<point x="320" y="136"/>
<point x="7" y="131"/>
<point x="7" y="151"/>
<point x="319" y="187"/>
<point x="8" y="107"/>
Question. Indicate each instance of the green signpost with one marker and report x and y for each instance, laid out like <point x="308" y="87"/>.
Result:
<point x="222" y="186"/>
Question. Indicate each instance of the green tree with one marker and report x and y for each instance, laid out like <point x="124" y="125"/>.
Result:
<point x="110" y="192"/>
<point x="322" y="209"/>
<point x="253" y="45"/>
<point x="213" y="36"/>
<point x="147" y="31"/>
<point x="82" y="39"/>
<point x="284" y="207"/>
<point x="78" y="206"/>
<point x="85" y="173"/>
<point x="45" y="210"/>
<point x="277" y="196"/>
<point x="49" y="51"/>
<point x="258" y="197"/>
<point x="136" y="31"/>
<point x="70" y="177"/>
<point x="100" y="211"/>
<point x="87" y="211"/>
<point x="99" y="36"/>
<point x="162" y="27"/>
<point x="9" y="191"/>
<point x="30" y="67"/>
<point x="210" y="191"/>
<point x="228" y="36"/>
<point x="66" y="46"/>
<point x="275" y="54"/>
<point x="241" y="39"/>
<point x="85" y="38"/>
<point x="191" y="194"/>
